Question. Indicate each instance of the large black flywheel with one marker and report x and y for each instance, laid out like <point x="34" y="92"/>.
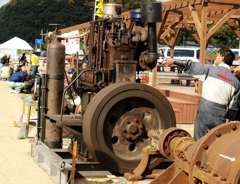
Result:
<point x="117" y="120"/>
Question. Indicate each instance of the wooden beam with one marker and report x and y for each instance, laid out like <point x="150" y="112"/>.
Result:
<point x="221" y="22"/>
<point x="171" y="5"/>
<point x="175" y="37"/>
<point x="213" y="57"/>
<point x="203" y="33"/>
<point x="196" y="20"/>
<point x="191" y="32"/>
<point x="161" y="25"/>
<point x="166" y="42"/>
<point x="234" y="29"/>
<point x="224" y="1"/>
<point x="77" y="27"/>
<point x="169" y="29"/>
<point x="192" y="22"/>
<point x="235" y="16"/>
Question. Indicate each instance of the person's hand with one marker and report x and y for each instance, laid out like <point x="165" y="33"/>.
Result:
<point x="167" y="62"/>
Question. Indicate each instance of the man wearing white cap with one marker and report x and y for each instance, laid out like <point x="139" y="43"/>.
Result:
<point x="236" y="68"/>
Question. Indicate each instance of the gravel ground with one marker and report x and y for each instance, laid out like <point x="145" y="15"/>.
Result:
<point x="16" y="164"/>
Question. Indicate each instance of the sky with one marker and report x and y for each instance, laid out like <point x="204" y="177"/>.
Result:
<point x="3" y="2"/>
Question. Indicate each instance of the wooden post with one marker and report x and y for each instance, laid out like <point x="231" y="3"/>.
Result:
<point x="23" y="106"/>
<point x="73" y="162"/>
<point x="203" y="40"/>
<point x="73" y="61"/>
<point x="28" y="120"/>
<point x="154" y="77"/>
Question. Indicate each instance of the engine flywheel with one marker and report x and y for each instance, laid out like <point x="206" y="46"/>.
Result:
<point x="117" y="120"/>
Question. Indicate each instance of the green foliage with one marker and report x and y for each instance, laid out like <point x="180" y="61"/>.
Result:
<point x="131" y="4"/>
<point x="26" y="18"/>
<point x="223" y="37"/>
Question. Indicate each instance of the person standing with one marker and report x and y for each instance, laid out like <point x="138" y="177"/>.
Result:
<point x="34" y="62"/>
<point x="160" y="59"/>
<point x="22" y="60"/>
<point x="5" y="59"/>
<point x="220" y="90"/>
<point x="16" y="81"/>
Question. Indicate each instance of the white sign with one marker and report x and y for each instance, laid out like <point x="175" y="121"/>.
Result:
<point x="71" y="44"/>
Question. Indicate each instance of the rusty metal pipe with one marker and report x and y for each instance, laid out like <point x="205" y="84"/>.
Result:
<point x="141" y="34"/>
<point x="43" y="106"/>
<point x="152" y="13"/>
<point x="39" y="120"/>
<point x="151" y="60"/>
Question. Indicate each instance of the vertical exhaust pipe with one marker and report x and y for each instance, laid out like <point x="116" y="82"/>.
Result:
<point x="151" y="13"/>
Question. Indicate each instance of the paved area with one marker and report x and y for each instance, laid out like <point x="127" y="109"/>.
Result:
<point x="16" y="164"/>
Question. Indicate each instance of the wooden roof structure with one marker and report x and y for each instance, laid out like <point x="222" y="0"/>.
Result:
<point x="206" y="15"/>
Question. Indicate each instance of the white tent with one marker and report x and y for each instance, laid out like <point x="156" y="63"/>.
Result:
<point x="16" y="43"/>
<point x="11" y="46"/>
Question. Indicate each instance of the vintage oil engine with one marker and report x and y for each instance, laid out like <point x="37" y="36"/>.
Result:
<point x="117" y="110"/>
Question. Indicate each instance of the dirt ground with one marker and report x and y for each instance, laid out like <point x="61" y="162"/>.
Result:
<point x="16" y="164"/>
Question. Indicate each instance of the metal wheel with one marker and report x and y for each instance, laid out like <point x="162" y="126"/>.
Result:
<point x="116" y="122"/>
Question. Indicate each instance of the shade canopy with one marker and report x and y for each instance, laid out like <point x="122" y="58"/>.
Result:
<point x="16" y="43"/>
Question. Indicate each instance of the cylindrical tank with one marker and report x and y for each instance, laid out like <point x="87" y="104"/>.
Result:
<point x="55" y="85"/>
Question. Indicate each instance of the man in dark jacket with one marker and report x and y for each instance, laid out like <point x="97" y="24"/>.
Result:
<point x="220" y="91"/>
<point x="16" y="81"/>
<point x="23" y="60"/>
